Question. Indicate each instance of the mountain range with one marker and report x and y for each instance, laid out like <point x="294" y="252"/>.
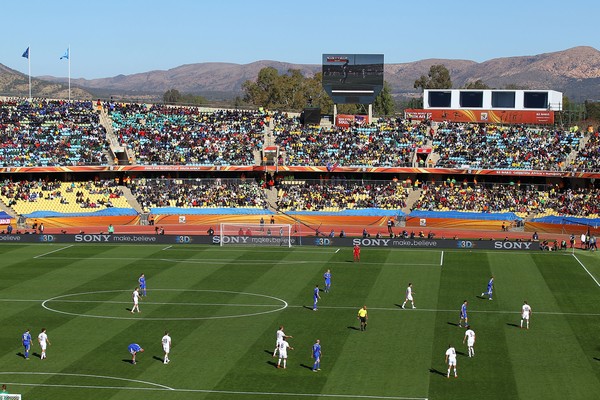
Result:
<point x="575" y="72"/>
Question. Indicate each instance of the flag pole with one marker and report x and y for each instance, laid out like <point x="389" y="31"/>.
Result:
<point x="29" y="70"/>
<point x="69" y="53"/>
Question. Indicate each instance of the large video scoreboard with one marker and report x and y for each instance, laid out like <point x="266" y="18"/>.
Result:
<point x="353" y="78"/>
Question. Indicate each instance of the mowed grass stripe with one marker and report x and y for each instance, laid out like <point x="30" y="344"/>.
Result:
<point x="489" y="374"/>
<point x="108" y="347"/>
<point x="255" y="367"/>
<point x="364" y="362"/>
<point x="572" y="289"/>
<point x="93" y="341"/>
<point x="533" y="353"/>
<point x="392" y="354"/>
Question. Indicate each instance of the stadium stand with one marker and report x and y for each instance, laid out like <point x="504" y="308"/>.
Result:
<point x="27" y="197"/>
<point x="340" y="195"/>
<point x="171" y="135"/>
<point x="493" y="147"/>
<point x="50" y="133"/>
<point x="197" y="193"/>
<point x="387" y="143"/>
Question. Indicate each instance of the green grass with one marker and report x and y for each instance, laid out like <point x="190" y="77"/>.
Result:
<point x="204" y="296"/>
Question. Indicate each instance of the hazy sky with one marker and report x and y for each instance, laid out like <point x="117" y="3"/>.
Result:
<point x="112" y="37"/>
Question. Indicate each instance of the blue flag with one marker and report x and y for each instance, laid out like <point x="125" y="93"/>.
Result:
<point x="26" y="53"/>
<point x="66" y="55"/>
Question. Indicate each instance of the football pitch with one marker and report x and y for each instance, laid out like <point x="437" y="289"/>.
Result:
<point x="223" y="305"/>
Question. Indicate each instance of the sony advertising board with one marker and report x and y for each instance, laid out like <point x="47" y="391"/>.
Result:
<point x="416" y="243"/>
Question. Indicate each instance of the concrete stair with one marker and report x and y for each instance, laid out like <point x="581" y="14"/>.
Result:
<point x="271" y="195"/>
<point x="131" y="199"/>
<point x="412" y="198"/>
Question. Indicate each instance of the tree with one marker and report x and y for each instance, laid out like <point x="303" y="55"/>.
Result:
<point x="437" y="78"/>
<point x="384" y="102"/>
<point x="478" y="84"/>
<point x="172" y="96"/>
<point x="265" y="91"/>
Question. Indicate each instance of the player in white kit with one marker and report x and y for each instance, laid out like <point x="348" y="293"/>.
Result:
<point x="280" y="336"/>
<point x="525" y="314"/>
<point x="135" y="296"/>
<point x="166" y="344"/>
<point x="283" y="348"/>
<point x="470" y="338"/>
<point x="44" y="342"/>
<point x="409" y="296"/>
<point x="451" y="360"/>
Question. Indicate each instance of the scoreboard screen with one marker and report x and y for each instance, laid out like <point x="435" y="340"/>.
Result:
<point x="353" y="78"/>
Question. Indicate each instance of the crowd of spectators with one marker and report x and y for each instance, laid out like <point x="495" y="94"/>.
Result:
<point x="159" y="134"/>
<point x="510" y="147"/>
<point x="88" y="194"/>
<point x="523" y="200"/>
<point x="306" y="196"/>
<point x="588" y="158"/>
<point x="50" y="133"/>
<point x="151" y="193"/>
<point x="385" y="143"/>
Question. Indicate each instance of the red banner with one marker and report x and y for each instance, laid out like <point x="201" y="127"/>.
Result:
<point x="483" y="116"/>
<point x="347" y="120"/>
<point x="284" y="168"/>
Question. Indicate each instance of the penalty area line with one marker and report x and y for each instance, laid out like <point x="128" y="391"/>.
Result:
<point x="54" y="251"/>
<point x="337" y="251"/>
<point x="167" y="248"/>
<point x="442" y="259"/>
<point x="586" y="270"/>
<point x="229" y="392"/>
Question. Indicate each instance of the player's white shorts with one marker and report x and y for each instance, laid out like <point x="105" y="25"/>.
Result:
<point x="409" y="297"/>
<point x="166" y="348"/>
<point x="470" y="343"/>
<point x="525" y="315"/>
<point x="135" y="302"/>
<point x="283" y="354"/>
<point x="43" y="346"/>
<point x="452" y="362"/>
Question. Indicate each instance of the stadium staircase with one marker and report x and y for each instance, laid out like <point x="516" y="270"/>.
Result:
<point x="118" y="154"/>
<point x="8" y="210"/>
<point x="412" y="198"/>
<point x="271" y="195"/>
<point x="131" y="199"/>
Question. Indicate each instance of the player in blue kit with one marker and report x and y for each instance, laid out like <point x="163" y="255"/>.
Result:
<point x="463" y="315"/>
<point x="316" y="354"/>
<point x="490" y="288"/>
<point x="142" y="282"/>
<point x="133" y="349"/>
<point x="327" y="276"/>
<point x="316" y="297"/>
<point x="26" y="339"/>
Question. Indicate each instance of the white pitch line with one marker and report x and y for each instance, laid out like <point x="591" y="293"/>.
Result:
<point x="337" y="251"/>
<point x="442" y="259"/>
<point x="230" y="392"/>
<point x="157" y="385"/>
<point x="165" y="304"/>
<point x="54" y="251"/>
<point x="586" y="270"/>
<point x="320" y="307"/>
<point x="450" y="311"/>
<point x="167" y="248"/>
